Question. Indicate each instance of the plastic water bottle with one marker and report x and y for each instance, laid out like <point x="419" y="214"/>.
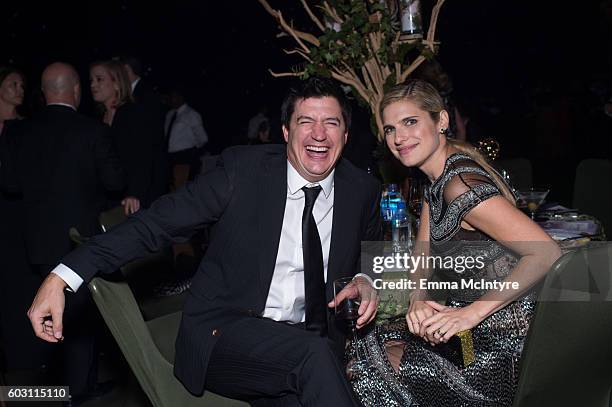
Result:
<point x="389" y="201"/>
<point x="402" y="229"/>
<point x="388" y="206"/>
<point x="384" y="205"/>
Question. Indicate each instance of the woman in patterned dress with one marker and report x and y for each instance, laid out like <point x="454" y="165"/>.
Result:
<point x="468" y="211"/>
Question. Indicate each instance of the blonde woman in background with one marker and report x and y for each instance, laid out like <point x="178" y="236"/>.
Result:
<point x="139" y="143"/>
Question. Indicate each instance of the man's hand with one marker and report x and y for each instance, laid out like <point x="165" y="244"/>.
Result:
<point x="368" y="296"/>
<point x="49" y="302"/>
<point x="130" y="205"/>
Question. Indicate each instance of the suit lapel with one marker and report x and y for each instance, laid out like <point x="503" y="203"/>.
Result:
<point x="344" y="215"/>
<point x="271" y="200"/>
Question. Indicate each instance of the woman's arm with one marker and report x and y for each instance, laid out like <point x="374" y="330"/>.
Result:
<point x="498" y="218"/>
<point x="508" y="225"/>
<point x="419" y="310"/>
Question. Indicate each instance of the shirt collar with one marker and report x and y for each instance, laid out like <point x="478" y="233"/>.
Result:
<point x="182" y="108"/>
<point x="295" y="182"/>
<point x="62" y="104"/>
<point x="135" y="83"/>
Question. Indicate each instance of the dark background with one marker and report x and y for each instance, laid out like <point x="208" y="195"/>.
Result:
<point x="533" y="75"/>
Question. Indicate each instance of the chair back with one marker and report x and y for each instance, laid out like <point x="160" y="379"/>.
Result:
<point x="111" y="217"/>
<point x="592" y="194"/>
<point x="567" y="358"/>
<point x="519" y="170"/>
<point x="148" y="347"/>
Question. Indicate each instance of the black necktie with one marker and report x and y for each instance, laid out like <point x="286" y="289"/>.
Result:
<point x="314" y="284"/>
<point x="169" y="131"/>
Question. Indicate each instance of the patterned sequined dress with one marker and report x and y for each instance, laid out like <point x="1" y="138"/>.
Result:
<point x="425" y="378"/>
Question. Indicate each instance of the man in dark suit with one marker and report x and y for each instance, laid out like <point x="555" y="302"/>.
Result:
<point x="150" y="103"/>
<point x="61" y="163"/>
<point x="258" y="322"/>
<point x="142" y="92"/>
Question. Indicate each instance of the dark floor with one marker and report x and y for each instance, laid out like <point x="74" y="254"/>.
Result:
<point x="121" y="387"/>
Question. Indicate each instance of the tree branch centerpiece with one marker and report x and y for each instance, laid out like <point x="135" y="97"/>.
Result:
<point x="360" y="44"/>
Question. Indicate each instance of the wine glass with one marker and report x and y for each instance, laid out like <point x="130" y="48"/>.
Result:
<point x="532" y="199"/>
<point x="348" y="310"/>
<point x="415" y="196"/>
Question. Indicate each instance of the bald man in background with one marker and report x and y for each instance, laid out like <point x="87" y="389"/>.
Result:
<point x="62" y="164"/>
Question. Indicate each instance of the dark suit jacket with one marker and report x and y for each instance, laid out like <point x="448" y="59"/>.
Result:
<point x="141" y="148"/>
<point x="245" y="197"/>
<point x="62" y="162"/>
<point x="145" y="94"/>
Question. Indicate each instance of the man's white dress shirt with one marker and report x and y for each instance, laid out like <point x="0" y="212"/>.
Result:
<point x="286" y="296"/>
<point x="62" y="104"/>
<point x="187" y="130"/>
<point x="133" y="84"/>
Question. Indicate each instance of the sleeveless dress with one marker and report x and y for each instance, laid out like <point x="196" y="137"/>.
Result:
<point x="425" y="378"/>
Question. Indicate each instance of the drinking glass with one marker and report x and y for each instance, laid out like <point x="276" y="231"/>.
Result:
<point x="415" y="196"/>
<point x="348" y="311"/>
<point x="532" y="199"/>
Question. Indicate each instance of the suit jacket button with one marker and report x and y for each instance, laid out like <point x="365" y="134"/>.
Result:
<point x="215" y="332"/>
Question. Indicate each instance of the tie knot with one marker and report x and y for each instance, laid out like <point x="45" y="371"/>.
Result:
<point x="311" y="193"/>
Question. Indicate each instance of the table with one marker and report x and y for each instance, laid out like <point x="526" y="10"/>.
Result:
<point x="568" y="226"/>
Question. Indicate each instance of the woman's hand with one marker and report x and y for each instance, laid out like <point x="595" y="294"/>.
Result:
<point x="447" y="321"/>
<point x="418" y="311"/>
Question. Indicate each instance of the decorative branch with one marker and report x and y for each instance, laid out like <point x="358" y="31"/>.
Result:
<point x="284" y="74"/>
<point x="433" y="21"/>
<point x="366" y="78"/>
<point x="332" y="12"/>
<point x="296" y="34"/>
<point x="297" y="51"/>
<point x="398" y="72"/>
<point x="375" y="66"/>
<point x="312" y="16"/>
<point x="367" y="66"/>
<point x="354" y="82"/>
<point x="414" y="65"/>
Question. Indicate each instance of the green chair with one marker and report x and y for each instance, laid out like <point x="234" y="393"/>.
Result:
<point x="148" y="347"/>
<point x="591" y="173"/>
<point x="142" y="279"/>
<point x="567" y="360"/>
<point x="140" y="274"/>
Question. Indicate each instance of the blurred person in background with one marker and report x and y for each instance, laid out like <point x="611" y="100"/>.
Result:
<point x="12" y="86"/>
<point x="186" y="138"/>
<point x="140" y="149"/>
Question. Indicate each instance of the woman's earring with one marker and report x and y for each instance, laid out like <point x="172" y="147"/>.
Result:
<point x="442" y="131"/>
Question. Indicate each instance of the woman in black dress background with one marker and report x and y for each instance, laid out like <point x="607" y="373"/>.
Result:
<point x="139" y="142"/>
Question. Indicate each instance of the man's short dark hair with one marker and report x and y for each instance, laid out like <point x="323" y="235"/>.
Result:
<point x="133" y="62"/>
<point x="315" y="87"/>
